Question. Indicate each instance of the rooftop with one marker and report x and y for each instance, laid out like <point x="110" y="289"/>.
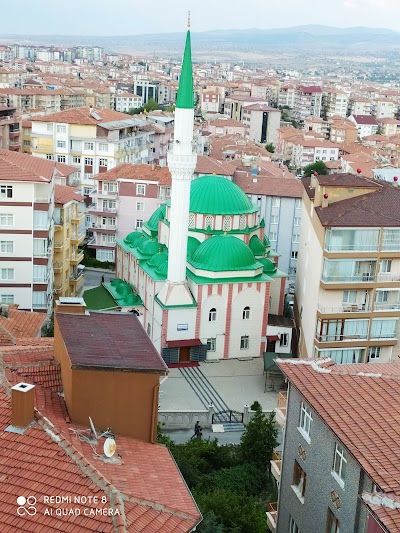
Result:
<point x="64" y="194"/>
<point x="365" y="119"/>
<point x="84" y="116"/>
<point x="137" y="172"/>
<point x="15" y="166"/>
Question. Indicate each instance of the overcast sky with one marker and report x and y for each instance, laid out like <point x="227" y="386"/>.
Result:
<point x="127" y="17"/>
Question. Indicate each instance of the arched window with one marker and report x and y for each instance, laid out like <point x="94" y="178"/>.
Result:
<point x="242" y="222"/>
<point x="227" y="223"/>
<point x="212" y="315"/>
<point x="246" y="313"/>
<point x="209" y="221"/>
<point x="191" y="220"/>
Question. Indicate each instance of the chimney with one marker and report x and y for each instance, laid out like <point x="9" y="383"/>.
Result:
<point x="325" y="200"/>
<point x="70" y="304"/>
<point x="153" y="166"/>
<point x="395" y="181"/>
<point x="22" y="404"/>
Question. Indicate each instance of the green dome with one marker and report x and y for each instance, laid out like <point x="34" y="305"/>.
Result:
<point x="192" y="245"/>
<point x="132" y="237"/>
<point x="149" y="247"/>
<point x="162" y="270"/>
<point x="157" y="259"/>
<point x="269" y="266"/>
<point x="266" y="242"/>
<point x="224" y="253"/>
<point x="124" y="290"/>
<point x="159" y="214"/>
<point x="256" y="246"/>
<point x="116" y="282"/>
<point x="216" y="195"/>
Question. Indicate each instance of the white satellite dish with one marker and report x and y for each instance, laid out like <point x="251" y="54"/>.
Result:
<point x="93" y="428"/>
<point x="110" y="447"/>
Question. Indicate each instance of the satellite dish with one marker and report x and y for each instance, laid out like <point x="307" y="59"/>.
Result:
<point x="93" y="428"/>
<point x="110" y="447"/>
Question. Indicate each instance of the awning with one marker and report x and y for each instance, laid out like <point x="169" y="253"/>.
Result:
<point x="273" y="338"/>
<point x="182" y="344"/>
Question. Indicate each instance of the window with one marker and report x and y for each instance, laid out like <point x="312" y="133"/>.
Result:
<point x="7" y="298"/>
<point x="139" y="223"/>
<point x="299" y="481"/>
<point x="275" y="202"/>
<point x="374" y="352"/>
<point x="6" y="274"/>
<point x="7" y="247"/>
<point x="384" y="329"/>
<point x="141" y="190"/>
<point x="39" y="247"/>
<point x="293" y="527"/>
<point x="191" y="220"/>
<point x="211" y="344"/>
<point x="297" y="204"/>
<point x="246" y="313"/>
<point x="305" y="421"/>
<point x="40" y="220"/>
<point x="349" y="297"/>
<point x="273" y="237"/>
<point x="227" y="224"/>
<point x="332" y="525"/>
<point x="87" y="190"/>
<point x="50" y="157"/>
<point x="294" y="254"/>
<point x="274" y="219"/>
<point x="103" y="147"/>
<point x="242" y="222"/>
<point x="244" y="342"/>
<point x="284" y="339"/>
<point x="385" y="265"/>
<point x="339" y="463"/>
<point x="139" y="206"/>
<point x="39" y="274"/>
<point x="6" y="191"/>
<point x="297" y="221"/>
<point x="49" y="128"/>
<point x="27" y="143"/>
<point x="103" y="162"/>
<point x="76" y="160"/>
<point x="6" y="219"/>
<point x="88" y="146"/>
<point x="209" y="222"/>
<point x="39" y="300"/>
<point x="212" y="315"/>
<point x="295" y="238"/>
<point x="89" y="161"/>
<point x="108" y="239"/>
<point x="61" y="128"/>
<point x="61" y="144"/>
<point x="61" y="158"/>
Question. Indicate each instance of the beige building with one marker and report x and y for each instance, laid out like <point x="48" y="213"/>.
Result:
<point x="347" y="302"/>
<point x="68" y="235"/>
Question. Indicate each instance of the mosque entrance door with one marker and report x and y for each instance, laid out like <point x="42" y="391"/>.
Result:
<point x="184" y="354"/>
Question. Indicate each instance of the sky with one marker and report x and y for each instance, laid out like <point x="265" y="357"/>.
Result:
<point x="128" y="17"/>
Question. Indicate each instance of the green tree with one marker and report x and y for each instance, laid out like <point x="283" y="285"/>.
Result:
<point x="270" y="148"/>
<point x="151" y="105"/>
<point x="259" y="439"/>
<point x="318" y="166"/>
<point x="210" y="524"/>
<point x="135" y="111"/>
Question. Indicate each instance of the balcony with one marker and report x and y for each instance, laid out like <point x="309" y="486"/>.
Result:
<point x="94" y="210"/>
<point x="77" y="238"/>
<point x="58" y="226"/>
<point x="58" y="266"/>
<point x="387" y="306"/>
<point x="59" y="246"/>
<point x="77" y="218"/>
<point x="75" y="259"/>
<point x="356" y="278"/>
<point x="272" y="516"/>
<point x="103" y="227"/>
<point x="345" y="308"/>
<point x="76" y="277"/>
<point x="58" y="288"/>
<point x="276" y="465"/>
<point x="280" y="409"/>
<point x="387" y="277"/>
<point x="341" y="337"/>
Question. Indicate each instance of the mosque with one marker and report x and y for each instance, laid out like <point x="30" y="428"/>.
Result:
<point x="202" y="265"/>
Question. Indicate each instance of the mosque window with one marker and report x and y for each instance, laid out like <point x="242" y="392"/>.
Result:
<point x="227" y="223"/>
<point x="209" y="221"/>
<point x="244" y="342"/>
<point x="242" y="222"/>
<point x="212" y="315"/>
<point x="211" y="344"/>
<point x="246" y="313"/>
<point x="191" y="220"/>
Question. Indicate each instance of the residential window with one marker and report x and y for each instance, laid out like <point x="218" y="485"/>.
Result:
<point x="297" y="204"/>
<point x="139" y="223"/>
<point x="39" y="274"/>
<point x="299" y="481"/>
<point x="339" y="462"/>
<point x="6" y="191"/>
<point x="103" y="147"/>
<point x="246" y="313"/>
<point x="349" y="297"/>
<point x="293" y="527"/>
<point x="103" y="162"/>
<point x="7" y="298"/>
<point x="274" y="219"/>
<point x="61" y="158"/>
<point x="108" y="239"/>
<point x="297" y="221"/>
<point x="61" y="144"/>
<point x="6" y="219"/>
<point x="211" y="344"/>
<point x="212" y="315"/>
<point x="40" y="220"/>
<point x="294" y="254"/>
<point x="49" y="128"/>
<point x="244" y="342"/>
<point x="140" y="190"/>
<point x="275" y="202"/>
<point x="332" y="525"/>
<point x="295" y="238"/>
<point x="284" y="339"/>
<point x="61" y="128"/>
<point x="39" y="247"/>
<point x="27" y="143"/>
<point x="273" y="237"/>
<point x="76" y="146"/>
<point x="39" y="300"/>
<point x="88" y="146"/>
<point x="384" y="329"/>
<point x="385" y="265"/>
<point x="87" y="190"/>
<point x="76" y="160"/>
<point x="50" y="157"/>
<point x="305" y="421"/>
<point x="139" y="206"/>
<point x="374" y="352"/>
<point x="7" y="247"/>
<point x="6" y="274"/>
<point x="148" y="329"/>
<point x="89" y="161"/>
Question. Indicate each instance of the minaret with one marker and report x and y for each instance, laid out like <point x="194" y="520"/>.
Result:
<point x="181" y="163"/>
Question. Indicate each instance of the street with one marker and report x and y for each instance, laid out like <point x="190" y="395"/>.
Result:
<point x="92" y="277"/>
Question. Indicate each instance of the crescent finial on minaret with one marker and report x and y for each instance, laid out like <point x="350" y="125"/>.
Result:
<point x="188" y="20"/>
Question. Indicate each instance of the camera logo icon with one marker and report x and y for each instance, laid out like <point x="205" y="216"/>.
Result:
<point x="26" y="506"/>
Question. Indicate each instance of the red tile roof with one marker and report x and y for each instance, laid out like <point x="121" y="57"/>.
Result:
<point x="137" y="172"/>
<point x="285" y="185"/>
<point x="64" y="194"/>
<point x="209" y="165"/>
<point x="20" y="325"/>
<point x="81" y="115"/>
<point x="365" y="119"/>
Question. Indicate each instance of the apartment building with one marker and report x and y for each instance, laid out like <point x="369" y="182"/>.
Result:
<point x="124" y="102"/>
<point x="384" y="108"/>
<point x="347" y="302"/>
<point x="261" y="122"/>
<point x="93" y="141"/>
<point x="26" y="246"/>
<point x="49" y="101"/>
<point x="334" y="103"/>
<point x="388" y="126"/>
<point x="9" y="129"/>
<point x="209" y="102"/>
<point x="317" y="125"/>
<point x="308" y="150"/>
<point x="163" y="124"/>
<point x="146" y="89"/>
<point x="123" y="199"/>
<point x="69" y="233"/>
<point x="286" y="96"/>
<point x="366" y="125"/>
<point x="307" y="102"/>
<point x="339" y="466"/>
<point x="359" y="105"/>
<point x="234" y="104"/>
<point x="342" y="130"/>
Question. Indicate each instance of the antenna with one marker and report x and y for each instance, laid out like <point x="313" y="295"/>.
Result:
<point x="109" y="447"/>
<point x="93" y="428"/>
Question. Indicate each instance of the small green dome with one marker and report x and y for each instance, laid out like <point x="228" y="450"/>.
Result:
<point x="192" y="245"/>
<point x="224" y="253"/>
<point x="157" y="259"/>
<point x="162" y="270"/>
<point x="116" y="282"/>
<point x="124" y="290"/>
<point x="131" y="299"/>
<point x="159" y="214"/>
<point x="149" y="247"/>
<point x="256" y="246"/>
<point x="269" y="266"/>
<point x="132" y="237"/>
<point x="266" y="242"/>
<point x="216" y="195"/>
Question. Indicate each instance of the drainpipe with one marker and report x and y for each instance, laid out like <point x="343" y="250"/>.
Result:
<point x="155" y="409"/>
